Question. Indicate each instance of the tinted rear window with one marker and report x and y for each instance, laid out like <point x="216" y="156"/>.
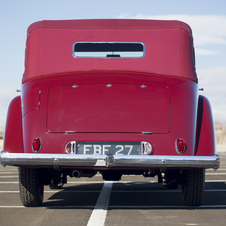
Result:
<point x="108" y="49"/>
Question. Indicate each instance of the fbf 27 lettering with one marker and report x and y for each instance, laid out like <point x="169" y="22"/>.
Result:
<point x="105" y="149"/>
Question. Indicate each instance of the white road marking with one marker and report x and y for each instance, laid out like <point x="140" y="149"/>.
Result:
<point x="99" y="213"/>
<point x="100" y="162"/>
<point x="215" y="180"/>
<point x="125" y="207"/>
<point x="171" y="207"/>
<point x="121" y="191"/>
<point x="16" y="172"/>
<point x="215" y="174"/>
<point x="9" y="182"/>
<point x="62" y="207"/>
<point x="9" y="176"/>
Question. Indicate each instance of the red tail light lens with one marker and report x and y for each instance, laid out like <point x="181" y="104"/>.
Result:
<point x="180" y="146"/>
<point x="36" y="145"/>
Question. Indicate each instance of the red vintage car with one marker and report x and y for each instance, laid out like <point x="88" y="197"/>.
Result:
<point x="115" y="97"/>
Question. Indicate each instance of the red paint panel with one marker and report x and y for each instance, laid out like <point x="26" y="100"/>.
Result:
<point x="205" y="129"/>
<point x="31" y="100"/>
<point x="108" y="23"/>
<point x="168" y="47"/>
<point x="118" y="108"/>
<point x="13" y="138"/>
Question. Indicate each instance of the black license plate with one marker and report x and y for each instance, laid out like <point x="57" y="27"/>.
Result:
<point x="108" y="148"/>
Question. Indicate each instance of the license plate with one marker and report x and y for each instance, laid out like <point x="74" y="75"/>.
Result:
<point x="108" y="148"/>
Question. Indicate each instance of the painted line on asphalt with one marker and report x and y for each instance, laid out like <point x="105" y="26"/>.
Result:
<point x="215" y="174"/>
<point x="54" y="191"/>
<point x="124" y="207"/>
<point x="53" y="207"/>
<point x="9" y="182"/>
<point x="166" y="207"/>
<point x="16" y="172"/>
<point x="11" y="171"/>
<point x="122" y="191"/>
<point x="99" y="213"/>
<point x="214" y="181"/>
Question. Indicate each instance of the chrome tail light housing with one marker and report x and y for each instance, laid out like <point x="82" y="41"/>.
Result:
<point x="146" y="148"/>
<point x="70" y="147"/>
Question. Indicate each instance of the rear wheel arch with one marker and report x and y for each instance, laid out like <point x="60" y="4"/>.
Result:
<point x="13" y="137"/>
<point x="205" y="138"/>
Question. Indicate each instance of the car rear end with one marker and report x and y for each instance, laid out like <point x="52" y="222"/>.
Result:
<point x="111" y="96"/>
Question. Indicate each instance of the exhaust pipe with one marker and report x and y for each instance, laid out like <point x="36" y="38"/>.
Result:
<point x="76" y="173"/>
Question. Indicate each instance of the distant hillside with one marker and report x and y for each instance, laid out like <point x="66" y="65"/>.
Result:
<point x="220" y="133"/>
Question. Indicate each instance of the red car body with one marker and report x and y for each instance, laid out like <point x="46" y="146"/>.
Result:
<point x="80" y="114"/>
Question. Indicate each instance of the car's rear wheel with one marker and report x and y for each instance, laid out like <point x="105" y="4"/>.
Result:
<point x="31" y="191"/>
<point x="193" y="187"/>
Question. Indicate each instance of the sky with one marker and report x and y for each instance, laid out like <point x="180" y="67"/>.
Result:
<point x="206" y="18"/>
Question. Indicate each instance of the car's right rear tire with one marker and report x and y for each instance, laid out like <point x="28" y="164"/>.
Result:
<point x="193" y="187"/>
<point x="31" y="191"/>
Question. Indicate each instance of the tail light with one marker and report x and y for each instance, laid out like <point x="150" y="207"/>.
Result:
<point x="36" y="145"/>
<point x="70" y="147"/>
<point x="180" y="145"/>
<point x="146" y="148"/>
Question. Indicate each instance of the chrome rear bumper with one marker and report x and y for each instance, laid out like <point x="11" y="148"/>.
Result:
<point x="127" y="161"/>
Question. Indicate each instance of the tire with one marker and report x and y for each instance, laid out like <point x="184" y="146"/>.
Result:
<point x="31" y="192"/>
<point x="193" y="187"/>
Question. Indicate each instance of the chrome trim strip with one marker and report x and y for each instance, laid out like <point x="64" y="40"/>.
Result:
<point x="146" y="133"/>
<point x="141" y="161"/>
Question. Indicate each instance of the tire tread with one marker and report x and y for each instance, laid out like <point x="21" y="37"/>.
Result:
<point x="193" y="189"/>
<point x="31" y="192"/>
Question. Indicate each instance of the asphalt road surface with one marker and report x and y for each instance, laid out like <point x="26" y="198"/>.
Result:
<point x="134" y="200"/>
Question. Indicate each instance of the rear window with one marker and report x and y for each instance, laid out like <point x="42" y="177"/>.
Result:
<point x="108" y="50"/>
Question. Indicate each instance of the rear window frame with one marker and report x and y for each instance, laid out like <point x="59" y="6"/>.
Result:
<point x="109" y="54"/>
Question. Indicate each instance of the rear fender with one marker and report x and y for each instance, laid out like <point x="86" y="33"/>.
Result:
<point x="205" y="138"/>
<point x="13" y="138"/>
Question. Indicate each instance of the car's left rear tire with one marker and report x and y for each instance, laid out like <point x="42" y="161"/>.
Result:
<point x="31" y="191"/>
<point x="193" y="187"/>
